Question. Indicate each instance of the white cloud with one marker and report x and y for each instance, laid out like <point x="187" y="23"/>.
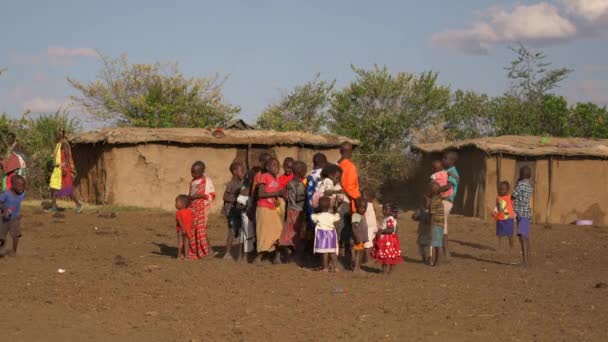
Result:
<point x="536" y="24"/>
<point x="591" y="10"/>
<point x="44" y="105"/>
<point x="58" y="55"/>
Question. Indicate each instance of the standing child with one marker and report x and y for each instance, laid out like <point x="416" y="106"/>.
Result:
<point x="10" y="204"/>
<point x="233" y="210"/>
<point x="424" y="231"/>
<point x="504" y="214"/>
<point x="295" y="222"/>
<point x="269" y="224"/>
<point x="288" y="172"/>
<point x="329" y="186"/>
<point x="521" y="204"/>
<point x="371" y="220"/>
<point x="449" y="163"/>
<point x="244" y="199"/>
<point x="360" y="231"/>
<point x="326" y="238"/>
<point x="387" y="248"/>
<point x="183" y="219"/>
<point x="202" y="193"/>
<point x="437" y="220"/>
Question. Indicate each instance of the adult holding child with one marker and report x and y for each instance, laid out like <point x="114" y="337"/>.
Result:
<point x="449" y="161"/>
<point x="350" y="185"/>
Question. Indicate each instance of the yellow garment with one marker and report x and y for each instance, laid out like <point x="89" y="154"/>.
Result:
<point x="56" y="175"/>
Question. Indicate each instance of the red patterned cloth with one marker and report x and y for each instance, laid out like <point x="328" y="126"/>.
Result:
<point x="292" y="228"/>
<point x="387" y="247"/>
<point x="199" y="247"/>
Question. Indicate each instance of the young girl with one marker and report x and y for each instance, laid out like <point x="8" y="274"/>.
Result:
<point x="296" y="199"/>
<point x="437" y="221"/>
<point x="243" y="200"/>
<point x="183" y="219"/>
<point x="504" y="214"/>
<point x="202" y="193"/>
<point x="268" y="220"/>
<point x="371" y="220"/>
<point x="326" y="238"/>
<point x="387" y="248"/>
<point x="359" y="223"/>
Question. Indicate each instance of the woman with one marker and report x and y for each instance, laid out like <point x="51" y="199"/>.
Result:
<point x="63" y="174"/>
<point x="13" y="162"/>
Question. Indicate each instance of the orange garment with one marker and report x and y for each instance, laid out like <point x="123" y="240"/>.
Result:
<point x="350" y="181"/>
<point x="504" y="208"/>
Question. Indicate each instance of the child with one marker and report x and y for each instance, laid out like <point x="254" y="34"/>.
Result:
<point x="10" y="204"/>
<point x="521" y="204"/>
<point x="441" y="177"/>
<point x="269" y="224"/>
<point x="449" y="160"/>
<point x="504" y="214"/>
<point x="296" y="199"/>
<point x="183" y="220"/>
<point x="371" y="220"/>
<point x="437" y="220"/>
<point x="202" y="193"/>
<point x="244" y="200"/>
<point x="387" y="248"/>
<point x="425" y="235"/>
<point x="233" y="210"/>
<point x="360" y="231"/>
<point x="288" y="174"/>
<point x="326" y="238"/>
<point x="329" y="186"/>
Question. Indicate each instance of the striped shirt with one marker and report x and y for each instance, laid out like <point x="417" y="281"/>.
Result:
<point x="521" y="198"/>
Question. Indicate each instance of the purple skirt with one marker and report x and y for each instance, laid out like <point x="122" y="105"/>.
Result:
<point x="326" y="241"/>
<point x="65" y="191"/>
<point x="505" y="227"/>
<point x="523" y="226"/>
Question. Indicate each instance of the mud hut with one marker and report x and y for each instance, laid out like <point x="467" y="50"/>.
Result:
<point x="148" y="167"/>
<point x="570" y="175"/>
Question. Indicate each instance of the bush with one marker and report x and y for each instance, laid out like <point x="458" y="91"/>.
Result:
<point x="36" y="136"/>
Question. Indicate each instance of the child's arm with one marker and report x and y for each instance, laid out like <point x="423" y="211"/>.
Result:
<point x="263" y="194"/>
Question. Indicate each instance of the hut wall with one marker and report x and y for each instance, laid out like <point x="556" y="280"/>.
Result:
<point x="540" y="201"/>
<point x="151" y="175"/>
<point x="578" y="191"/>
<point x="91" y="172"/>
<point x="471" y="166"/>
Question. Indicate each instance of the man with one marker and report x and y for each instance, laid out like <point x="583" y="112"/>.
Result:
<point x="350" y="185"/>
<point x="449" y="161"/>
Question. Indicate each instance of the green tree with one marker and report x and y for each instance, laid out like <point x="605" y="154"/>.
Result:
<point x="381" y="109"/>
<point x="303" y="109"/>
<point x="588" y="120"/>
<point x="469" y="116"/>
<point x="152" y="95"/>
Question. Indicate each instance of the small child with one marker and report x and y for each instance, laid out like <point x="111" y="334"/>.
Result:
<point x="504" y="214"/>
<point x="244" y="200"/>
<point x="440" y="175"/>
<point x="268" y="220"/>
<point x="329" y="186"/>
<point x="183" y="220"/>
<point x="202" y="193"/>
<point x="288" y="172"/>
<point x="437" y="220"/>
<point x="10" y="204"/>
<point x="296" y="200"/>
<point x="425" y="235"/>
<point x="360" y="231"/>
<point x="371" y="220"/>
<point x="387" y="248"/>
<point x="326" y="238"/>
<point x="233" y="210"/>
<point x="521" y="205"/>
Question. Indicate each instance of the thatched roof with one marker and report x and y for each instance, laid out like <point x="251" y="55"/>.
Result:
<point x="526" y="146"/>
<point x="237" y="124"/>
<point x="206" y="136"/>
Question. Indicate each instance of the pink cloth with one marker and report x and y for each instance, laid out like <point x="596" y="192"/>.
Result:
<point x="441" y="177"/>
<point x="271" y="184"/>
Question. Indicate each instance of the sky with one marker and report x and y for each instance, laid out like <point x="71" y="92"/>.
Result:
<point x="268" y="47"/>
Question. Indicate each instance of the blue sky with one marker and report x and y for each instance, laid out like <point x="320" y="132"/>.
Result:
<point x="268" y="47"/>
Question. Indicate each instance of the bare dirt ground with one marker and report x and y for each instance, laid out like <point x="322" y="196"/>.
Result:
<point x="122" y="283"/>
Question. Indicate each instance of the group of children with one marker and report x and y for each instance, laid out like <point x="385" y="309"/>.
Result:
<point x="290" y="215"/>
<point x="438" y="201"/>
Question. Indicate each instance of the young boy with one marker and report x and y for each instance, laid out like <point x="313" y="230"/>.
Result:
<point x="295" y="222"/>
<point x="437" y="217"/>
<point x="521" y="204"/>
<point x="288" y="174"/>
<point x="359" y="236"/>
<point x="233" y="210"/>
<point x="183" y="218"/>
<point x="10" y="204"/>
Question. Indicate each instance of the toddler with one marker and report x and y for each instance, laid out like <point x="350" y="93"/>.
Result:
<point x="183" y="220"/>
<point x="233" y="210"/>
<point x="326" y="238"/>
<point x="360" y="231"/>
<point x="504" y="214"/>
<point x="10" y="204"/>
<point x="387" y="248"/>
